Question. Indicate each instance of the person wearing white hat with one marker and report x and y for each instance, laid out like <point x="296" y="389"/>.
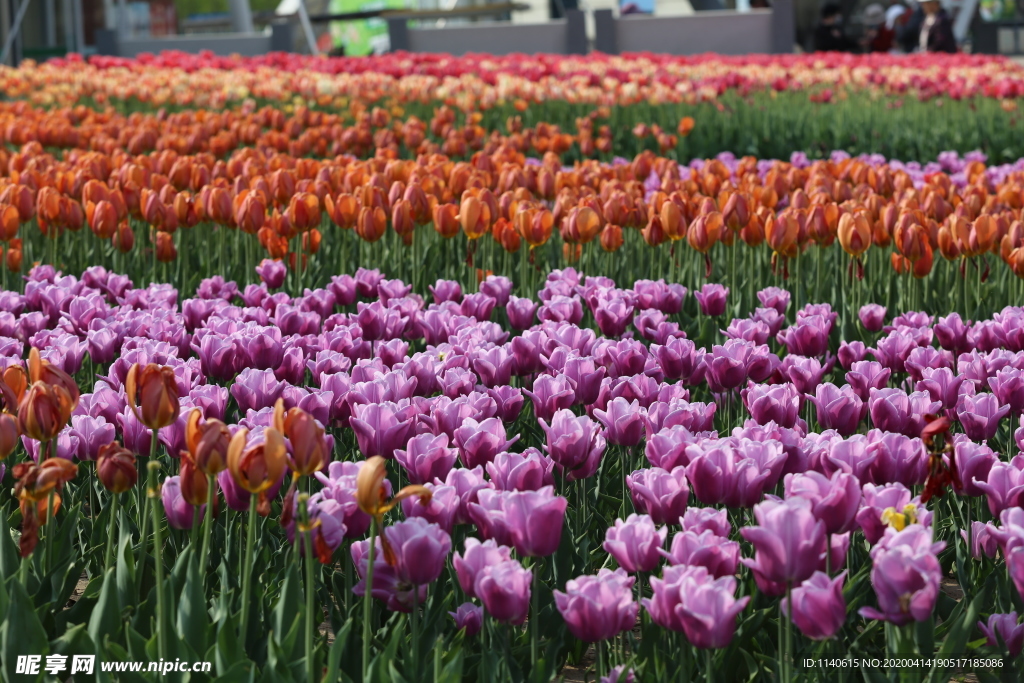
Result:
<point x="877" y="36"/>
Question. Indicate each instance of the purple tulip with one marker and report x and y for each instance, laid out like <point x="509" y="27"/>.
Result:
<point x="805" y="373"/>
<point x="446" y="290"/>
<point x="474" y="559"/>
<point x="398" y="596"/>
<point x="699" y="520"/>
<point x="1002" y="630"/>
<point x="695" y="417"/>
<point x="619" y="674"/>
<point x="497" y="287"/>
<point x="750" y="330"/>
<point x="973" y="462"/>
<point x="951" y="333"/>
<point x="635" y="543"/>
<point x="526" y="471"/>
<point x="659" y="493"/>
<point x="872" y="317"/>
<point x="504" y="589"/>
<point x="719" y="555"/>
<point x="92" y="433"/>
<point x="722" y="474"/>
<point x="561" y="308"/>
<point x="1004" y="486"/>
<point x="613" y="316"/>
<point x="1008" y="387"/>
<point x="420" y="550"/>
<point x="494" y="366"/>
<point x="478" y="306"/>
<point x="788" y="540"/>
<point x="479" y="442"/>
<point x="983" y="543"/>
<point x="712" y="299"/>
<point x="467" y="616"/>
<point x="867" y="375"/>
<point x="535" y="520"/>
<point x="549" y="395"/>
<point x="521" y="312"/>
<point x="774" y="297"/>
<point x="834" y="500"/>
<point x="942" y="385"/>
<point x="850" y="353"/>
<point x="818" y="606"/>
<point x="840" y="409"/>
<point x="727" y="367"/>
<point x="256" y="389"/>
<point x="980" y="415"/>
<point x="690" y="600"/>
<point x="808" y="336"/>
<point x="892" y="410"/>
<point x="585" y="377"/>
<point x="1015" y="568"/>
<point x="779" y="403"/>
<point x="899" y="459"/>
<point x="180" y="514"/>
<point x="926" y="358"/>
<point x="427" y="457"/>
<point x="623" y="422"/>
<point x="678" y="358"/>
<point x="328" y="519"/>
<point x="382" y="427"/>
<point x="574" y="443"/>
<point x="906" y="576"/>
<point x="597" y="608"/>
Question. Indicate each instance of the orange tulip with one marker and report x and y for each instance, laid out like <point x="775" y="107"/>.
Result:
<point x="116" y="469"/>
<point x="372" y="223"/>
<point x="611" y="238"/>
<point x="343" y="210"/>
<point x="854" y="233"/>
<point x="474" y="217"/>
<point x="152" y="394"/>
<point x="446" y="220"/>
<point x="165" y="249"/>
<point x="195" y="484"/>
<point x="36" y="486"/>
<point x="9" y="222"/>
<point x="8" y="435"/>
<point x="685" y="126"/>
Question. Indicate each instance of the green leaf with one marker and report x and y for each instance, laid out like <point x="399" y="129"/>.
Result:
<point x="23" y="633"/>
<point x="106" y="616"/>
<point x="9" y="558"/>
<point x="289" y="602"/>
<point x="75" y="641"/>
<point x="125" y="567"/>
<point x="193" y="621"/>
<point x="337" y="649"/>
<point x="240" y="672"/>
<point x="227" y="652"/>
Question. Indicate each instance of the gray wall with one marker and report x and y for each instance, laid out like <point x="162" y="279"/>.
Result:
<point x="727" y="33"/>
<point x="495" y="39"/>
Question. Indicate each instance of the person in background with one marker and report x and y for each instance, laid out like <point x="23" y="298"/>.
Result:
<point x="878" y="37"/>
<point x="936" y="29"/>
<point x="829" y="36"/>
<point x="908" y="29"/>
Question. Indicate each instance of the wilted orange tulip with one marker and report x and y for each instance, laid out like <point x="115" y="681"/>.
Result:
<point x="257" y="466"/>
<point x="371" y="494"/>
<point x="152" y="394"/>
<point x="208" y="442"/>
<point x="36" y="485"/>
<point x="115" y="467"/>
<point x="40" y="370"/>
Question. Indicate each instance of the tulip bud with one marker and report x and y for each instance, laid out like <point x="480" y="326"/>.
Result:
<point x="372" y="223"/>
<point x="43" y="411"/>
<point x="165" y="249"/>
<point x="9" y="222"/>
<point x="611" y="238"/>
<point x="8" y="435"/>
<point x="854" y="233"/>
<point x="116" y="469"/>
<point x="152" y="394"/>
<point x="195" y="485"/>
<point x="208" y="443"/>
<point x="123" y="238"/>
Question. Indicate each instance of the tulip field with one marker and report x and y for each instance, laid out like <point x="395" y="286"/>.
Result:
<point x="420" y="368"/>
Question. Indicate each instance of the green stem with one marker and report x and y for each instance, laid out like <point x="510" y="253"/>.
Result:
<point x="208" y="522"/>
<point x="367" y="599"/>
<point x="115" y="509"/>
<point x="48" y="547"/>
<point x="535" y="615"/>
<point x="161" y="606"/>
<point x="250" y="542"/>
<point x="414" y="619"/>
<point x="708" y="673"/>
<point x="310" y="588"/>
<point x="140" y="566"/>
